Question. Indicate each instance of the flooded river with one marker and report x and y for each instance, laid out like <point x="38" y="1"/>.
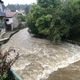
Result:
<point x="72" y="72"/>
<point x="39" y="58"/>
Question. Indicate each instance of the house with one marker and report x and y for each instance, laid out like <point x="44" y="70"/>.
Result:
<point x="2" y="18"/>
<point x="11" y="20"/>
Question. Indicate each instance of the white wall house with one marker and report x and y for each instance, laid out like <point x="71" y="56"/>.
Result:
<point x="11" y="20"/>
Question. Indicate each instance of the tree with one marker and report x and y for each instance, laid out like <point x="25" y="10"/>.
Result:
<point x="27" y="9"/>
<point x="35" y="12"/>
<point x="55" y="19"/>
<point x="72" y="16"/>
<point x="43" y="24"/>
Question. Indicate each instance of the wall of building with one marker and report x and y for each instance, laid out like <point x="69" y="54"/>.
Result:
<point x="15" y="22"/>
<point x="10" y="20"/>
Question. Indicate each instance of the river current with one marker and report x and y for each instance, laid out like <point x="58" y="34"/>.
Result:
<point x="38" y="57"/>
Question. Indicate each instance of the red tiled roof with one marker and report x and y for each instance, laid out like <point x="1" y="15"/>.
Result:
<point x="10" y="14"/>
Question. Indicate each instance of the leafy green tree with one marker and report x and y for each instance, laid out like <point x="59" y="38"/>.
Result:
<point x="22" y="18"/>
<point x="47" y="3"/>
<point x="43" y="24"/>
<point x="55" y="19"/>
<point x="72" y="16"/>
<point x="35" y="12"/>
<point x="27" y="8"/>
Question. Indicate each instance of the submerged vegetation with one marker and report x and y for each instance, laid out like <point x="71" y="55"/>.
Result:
<point x="55" y="19"/>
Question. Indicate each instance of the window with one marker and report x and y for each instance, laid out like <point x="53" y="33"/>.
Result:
<point x="7" y="19"/>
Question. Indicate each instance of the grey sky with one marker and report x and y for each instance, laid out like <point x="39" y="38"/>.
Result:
<point x="18" y="1"/>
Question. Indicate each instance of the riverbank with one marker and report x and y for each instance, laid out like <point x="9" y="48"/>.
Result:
<point x="72" y="72"/>
<point x="6" y="37"/>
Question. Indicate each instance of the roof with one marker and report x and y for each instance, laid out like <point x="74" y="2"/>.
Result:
<point x="10" y="14"/>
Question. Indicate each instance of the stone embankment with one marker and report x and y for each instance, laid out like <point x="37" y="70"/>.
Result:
<point x="6" y="36"/>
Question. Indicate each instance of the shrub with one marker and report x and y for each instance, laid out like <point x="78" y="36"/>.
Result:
<point x="5" y="63"/>
<point x="22" y="18"/>
<point x="72" y="16"/>
<point x="43" y="24"/>
<point x="35" y="12"/>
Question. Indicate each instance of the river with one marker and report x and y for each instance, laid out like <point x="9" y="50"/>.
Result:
<point x="38" y="57"/>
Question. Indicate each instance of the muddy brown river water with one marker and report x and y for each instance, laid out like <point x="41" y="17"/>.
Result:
<point x="39" y="58"/>
<point x="72" y="72"/>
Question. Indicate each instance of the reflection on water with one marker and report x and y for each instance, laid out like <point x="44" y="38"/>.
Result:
<point x="38" y="57"/>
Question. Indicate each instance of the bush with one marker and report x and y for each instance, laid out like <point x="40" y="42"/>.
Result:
<point x="35" y="12"/>
<point x="43" y="24"/>
<point x="22" y="18"/>
<point x="5" y="64"/>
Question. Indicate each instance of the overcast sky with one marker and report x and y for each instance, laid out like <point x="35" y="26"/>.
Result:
<point x="18" y="1"/>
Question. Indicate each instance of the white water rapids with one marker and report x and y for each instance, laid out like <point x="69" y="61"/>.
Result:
<point x="38" y="57"/>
